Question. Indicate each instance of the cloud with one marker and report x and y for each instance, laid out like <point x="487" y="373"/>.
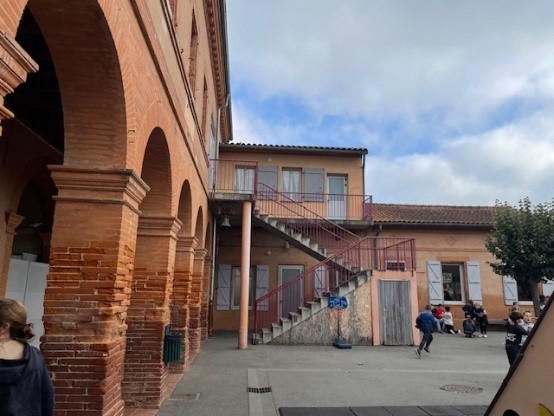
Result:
<point x="454" y="100"/>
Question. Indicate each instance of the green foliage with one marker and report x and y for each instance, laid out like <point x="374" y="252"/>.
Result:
<point x="522" y="241"/>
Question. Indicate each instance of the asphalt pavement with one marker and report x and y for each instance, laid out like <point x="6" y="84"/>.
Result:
<point x="460" y="376"/>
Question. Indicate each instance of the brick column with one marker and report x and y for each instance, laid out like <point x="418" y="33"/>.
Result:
<point x="195" y="321"/>
<point x="88" y="287"/>
<point x="182" y="287"/>
<point x="12" y="221"/>
<point x="15" y="64"/>
<point x="145" y="371"/>
<point x="205" y="299"/>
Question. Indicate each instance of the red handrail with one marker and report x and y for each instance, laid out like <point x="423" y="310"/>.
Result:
<point x="370" y="253"/>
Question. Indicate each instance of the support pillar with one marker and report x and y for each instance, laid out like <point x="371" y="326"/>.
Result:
<point x="88" y="287"/>
<point x="145" y="379"/>
<point x="195" y="322"/>
<point x="245" y="273"/>
<point x="12" y="221"/>
<point x="182" y="289"/>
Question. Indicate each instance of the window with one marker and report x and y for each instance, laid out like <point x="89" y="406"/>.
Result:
<point x="228" y="286"/>
<point x="291" y="183"/>
<point x="193" y="55"/>
<point x="235" y="288"/>
<point x="516" y="292"/>
<point x="447" y="282"/>
<point x="244" y="180"/>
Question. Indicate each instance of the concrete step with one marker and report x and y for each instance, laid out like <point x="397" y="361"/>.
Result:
<point x="264" y="217"/>
<point x="286" y="324"/>
<point x="267" y="335"/>
<point x="305" y="312"/>
<point x="276" y="329"/>
<point x="295" y="318"/>
<point x="315" y="306"/>
<point x="273" y="222"/>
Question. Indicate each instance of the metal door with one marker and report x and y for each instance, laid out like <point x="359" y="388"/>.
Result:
<point x="396" y="312"/>
<point x="336" y="206"/>
<point x="291" y="296"/>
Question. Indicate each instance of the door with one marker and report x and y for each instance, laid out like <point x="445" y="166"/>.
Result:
<point x="290" y="297"/>
<point x="396" y="312"/>
<point x="336" y="206"/>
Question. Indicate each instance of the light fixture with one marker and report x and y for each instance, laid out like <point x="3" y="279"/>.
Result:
<point x="225" y="222"/>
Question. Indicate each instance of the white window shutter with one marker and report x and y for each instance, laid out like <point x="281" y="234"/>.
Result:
<point x="548" y="288"/>
<point x="313" y="184"/>
<point x="262" y="284"/>
<point x="223" y="286"/>
<point x="434" y="277"/>
<point x="510" y="290"/>
<point x="474" y="281"/>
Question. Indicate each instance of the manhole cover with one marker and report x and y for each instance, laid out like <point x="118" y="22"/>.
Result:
<point x="459" y="388"/>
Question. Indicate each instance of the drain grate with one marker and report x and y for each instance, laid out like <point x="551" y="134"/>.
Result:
<point x="460" y="388"/>
<point x="259" y="389"/>
<point x="188" y="397"/>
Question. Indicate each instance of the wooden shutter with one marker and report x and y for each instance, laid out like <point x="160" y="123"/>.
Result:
<point x="548" y="288"/>
<point x="474" y="281"/>
<point x="510" y="290"/>
<point x="434" y="277"/>
<point x="267" y="175"/>
<point x="223" y="286"/>
<point x="313" y="184"/>
<point x="262" y="285"/>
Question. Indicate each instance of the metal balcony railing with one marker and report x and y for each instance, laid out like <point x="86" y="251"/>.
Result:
<point x="241" y="176"/>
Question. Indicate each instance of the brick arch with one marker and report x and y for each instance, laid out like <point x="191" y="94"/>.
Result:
<point x="185" y="210"/>
<point x="88" y="69"/>
<point x="199" y="228"/>
<point x="156" y="172"/>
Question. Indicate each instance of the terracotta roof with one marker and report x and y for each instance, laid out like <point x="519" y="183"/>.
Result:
<point x="292" y="149"/>
<point x="433" y="214"/>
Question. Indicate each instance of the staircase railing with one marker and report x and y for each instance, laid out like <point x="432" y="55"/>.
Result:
<point x="300" y="219"/>
<point x="370" y="253"/>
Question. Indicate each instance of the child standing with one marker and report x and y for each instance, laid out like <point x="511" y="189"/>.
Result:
<point x="469" y="326"/>
<point x="482" y="319"/>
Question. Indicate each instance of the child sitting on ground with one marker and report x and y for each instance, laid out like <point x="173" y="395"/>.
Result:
<point x="448" y="321"/>
<point x="469" y="326"/>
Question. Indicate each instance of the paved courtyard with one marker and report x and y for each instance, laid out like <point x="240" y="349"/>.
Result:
<point x="263" y="379"/>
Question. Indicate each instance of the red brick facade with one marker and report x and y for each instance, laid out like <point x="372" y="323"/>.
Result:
<point x="104" y="159"/>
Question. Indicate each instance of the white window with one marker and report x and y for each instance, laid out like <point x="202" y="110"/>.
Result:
<point x="446" y="282"/>
<point x="291" y="184"/>
<point x="396" y="265"/>
<point x="244" y="180"/>
<point x="516" y="292"/>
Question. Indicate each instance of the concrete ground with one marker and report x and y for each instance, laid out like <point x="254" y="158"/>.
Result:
<point x="224" y="380"/>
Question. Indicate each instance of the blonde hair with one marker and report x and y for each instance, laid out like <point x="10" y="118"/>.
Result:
<point x="14" y="314"/>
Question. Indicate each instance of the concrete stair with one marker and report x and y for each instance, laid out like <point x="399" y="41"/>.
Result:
<point x="310" y="309"/>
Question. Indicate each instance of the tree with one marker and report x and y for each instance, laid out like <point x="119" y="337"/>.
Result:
<point x="522" y="240"/>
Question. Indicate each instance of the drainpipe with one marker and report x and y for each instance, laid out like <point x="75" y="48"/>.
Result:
<point x="212" y="277"/>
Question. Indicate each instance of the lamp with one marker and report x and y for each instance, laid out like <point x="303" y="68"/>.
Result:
<point x="225" y="222"/>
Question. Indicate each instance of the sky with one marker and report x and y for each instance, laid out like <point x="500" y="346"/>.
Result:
<point x="454" y="100"/>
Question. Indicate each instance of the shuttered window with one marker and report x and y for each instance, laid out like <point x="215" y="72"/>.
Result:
<point x="267" y="178"/>
<point x="228" y="285"/>
<point x="314" y="180"/>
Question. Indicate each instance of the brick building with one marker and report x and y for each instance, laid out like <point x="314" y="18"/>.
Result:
<point x="110" y="113"/>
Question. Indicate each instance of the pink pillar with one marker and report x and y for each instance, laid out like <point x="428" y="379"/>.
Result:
<point x="245" y="273"/>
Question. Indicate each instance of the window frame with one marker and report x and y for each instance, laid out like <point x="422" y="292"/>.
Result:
<point x="463" y="282"/>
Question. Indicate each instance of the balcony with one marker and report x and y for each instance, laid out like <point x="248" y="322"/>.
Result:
<point x="237" y="180"/>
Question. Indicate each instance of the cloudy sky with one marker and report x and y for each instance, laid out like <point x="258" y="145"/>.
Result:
<point x="454" y="100"/>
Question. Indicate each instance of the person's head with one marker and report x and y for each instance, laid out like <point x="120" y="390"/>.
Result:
<point x="477" y="305"/>
<point x="468" y="316"/>
<point x="514" y="309"/>
<point x="470" y="302"/>
<point x="447" y="308"/>
<point x="428" y="307"/>
<point x="527" y="317"/>
<point x="515" y="317"/>
<point x="13" y="321"/>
